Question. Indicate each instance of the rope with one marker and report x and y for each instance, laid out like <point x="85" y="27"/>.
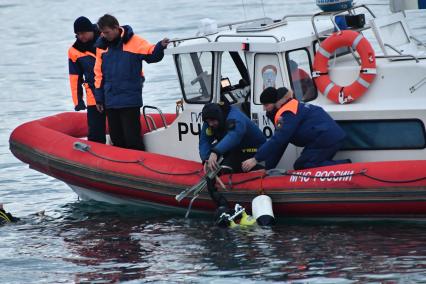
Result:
<point x="141" y="162"/>
<point x="362" y="173"/>
<point x="393" y="181"/>
<point x="113" y="160"/>
<point x="197" y="172"/>
<point x="262" y="191"/>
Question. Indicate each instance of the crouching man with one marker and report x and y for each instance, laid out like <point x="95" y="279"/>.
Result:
<point x="303" y="125"/>
<point x="230" y="134"/>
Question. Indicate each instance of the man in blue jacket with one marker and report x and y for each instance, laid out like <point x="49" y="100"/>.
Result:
<point x="229" y="133"/>
<point x="81" y="61"/>
<point x="119" y="79"/>
<point x="301" y="124"/>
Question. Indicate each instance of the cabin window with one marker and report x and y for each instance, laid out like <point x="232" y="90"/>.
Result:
<point x="339" y="52"/>
<point x="235" y="80"/>
<point x="384" y="134"/>
<point x="195" y="76"/>
<point x="267" y="74"/>
<point x="299" y="71"/>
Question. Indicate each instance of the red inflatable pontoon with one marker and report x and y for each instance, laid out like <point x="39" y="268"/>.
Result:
<point x="116" y="175"/>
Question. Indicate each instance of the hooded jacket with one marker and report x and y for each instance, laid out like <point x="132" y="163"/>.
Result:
<point x="118" y="69"/>
<point x="236" y="131"/>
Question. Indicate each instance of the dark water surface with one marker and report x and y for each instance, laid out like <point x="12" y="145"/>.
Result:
<point x="92" y="242"/>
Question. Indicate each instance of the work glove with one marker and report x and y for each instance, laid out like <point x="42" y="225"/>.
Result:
<point x="80" y="106"/>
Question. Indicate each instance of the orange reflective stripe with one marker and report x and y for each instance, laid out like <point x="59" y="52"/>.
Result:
<point x="138" y="45"/>
<point x="90" y="97"/>
<point x="75" y="54"/>
<point x="74" y="88"/>
<point x="98" y="67"/>
<point x="291" y="105"/>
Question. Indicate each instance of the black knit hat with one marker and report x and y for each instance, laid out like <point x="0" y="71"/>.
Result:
<point x="281" y="92"/>
<point x="271" y="95"/>
<point x="212" y="111"/>
<point x="83" y="24"/>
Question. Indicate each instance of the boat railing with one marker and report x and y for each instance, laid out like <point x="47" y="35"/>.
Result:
<point x="151" y="119"/>
<point x="248" y="36"/>
<point x="230" y="25"/>
<point x="400" y="53"/>
<point x="286" y="17"/>
<point x="333" y="15"/>
<point x="419" y="42"/>
<point x="177" y="41"/>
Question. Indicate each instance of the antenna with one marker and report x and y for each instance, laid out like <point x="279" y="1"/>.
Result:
<point x="244" y="8"/>
<point x="263" y="8"/>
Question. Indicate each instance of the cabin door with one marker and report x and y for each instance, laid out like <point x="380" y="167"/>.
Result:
<point x="269" y="72"/>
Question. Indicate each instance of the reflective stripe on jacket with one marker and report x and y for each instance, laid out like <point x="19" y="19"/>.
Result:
<point x="118" y="69"/>
<point x="81" y="66"/>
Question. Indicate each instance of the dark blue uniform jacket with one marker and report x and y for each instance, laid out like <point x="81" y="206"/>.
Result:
<point x="241" y="133"/>
<point x="118" y="69"/>
<point x="311" y="127"/>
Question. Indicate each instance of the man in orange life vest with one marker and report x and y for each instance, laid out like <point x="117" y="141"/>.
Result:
<point x="303" y="125"/>
<point x="81" y="61"/>
<point x="119" y="79"/>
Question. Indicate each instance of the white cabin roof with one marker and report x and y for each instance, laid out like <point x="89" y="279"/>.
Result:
<point x="295" y="31"/>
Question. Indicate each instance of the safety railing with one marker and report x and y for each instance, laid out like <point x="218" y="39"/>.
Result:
<point x="419" y="42"/>
<point x="333" y="16"/>
<point x="177" y="41"/>
<point x="151" y="119"/>
<point x="247" y="36"/>
<point x="230" y="25"/>
<point x="400" y="53"/>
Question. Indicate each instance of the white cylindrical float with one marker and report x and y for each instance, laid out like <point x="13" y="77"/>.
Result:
<point x="261" y="207"/>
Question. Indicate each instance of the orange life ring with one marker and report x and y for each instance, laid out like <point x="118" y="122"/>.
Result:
<point x="328" y="88"/>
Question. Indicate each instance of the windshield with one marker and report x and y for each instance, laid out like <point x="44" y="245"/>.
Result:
<point x="195" y="75"/>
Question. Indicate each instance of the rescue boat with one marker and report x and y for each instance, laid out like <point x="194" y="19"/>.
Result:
<point x="368" y="73"/>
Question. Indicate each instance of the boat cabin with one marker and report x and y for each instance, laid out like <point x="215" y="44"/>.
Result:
<point x="234" y="62"/>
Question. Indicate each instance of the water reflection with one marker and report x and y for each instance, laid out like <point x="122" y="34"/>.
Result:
<point x="123" y="244"/>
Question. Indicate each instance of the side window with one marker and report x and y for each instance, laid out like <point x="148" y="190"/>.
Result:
<point x="267" y="74"/>
<point x="299" y="69"/>
<point x="195" y="76"/>
<point x="375" y="134"/>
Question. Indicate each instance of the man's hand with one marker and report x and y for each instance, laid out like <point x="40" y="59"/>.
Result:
<point x="100" y="108"/>
<point x="212" y="162"/>
<point x="80" y="106"/>
<point x="164" y="42"/>
<point x="247" y="165"/>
